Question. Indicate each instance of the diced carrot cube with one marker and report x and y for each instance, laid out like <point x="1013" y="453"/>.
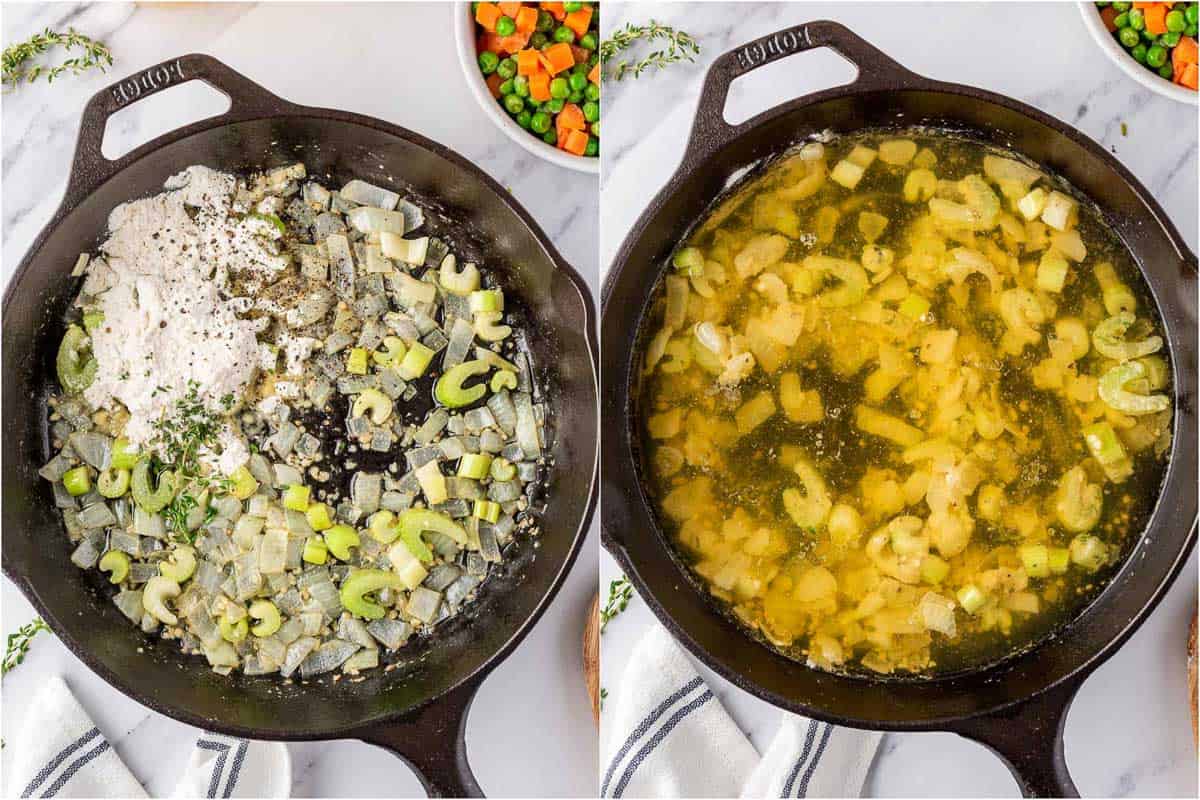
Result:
<point x="558" y="57"/>
<point x="493" y="83"/>
<point x="509" y="10"/>
<point x="539" y="87"/>
<point x="571" y="117"/>
<point x="526" y="19"/>
<point x="489" y="42"/>
<point x="562" y="138"/>
<point x="576" y="142"/>
<point x="528" y="62"/>
<point x="486" y="15"/>
<point x="594" y="75"/>
<point x="514" y="44"/>
<point x="1190" y="74"/>
<point x="1156" y="20"/>
<point x="1186" y="52"/>
<point x="579" y="21"/>
<point x="557" y="10"/>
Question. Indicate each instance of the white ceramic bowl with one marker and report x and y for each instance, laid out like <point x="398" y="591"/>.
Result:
<point x="464" y="36"/>
<point x="1120" y="56"/>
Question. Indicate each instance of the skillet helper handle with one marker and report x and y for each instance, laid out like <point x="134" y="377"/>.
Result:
<point x="433" y="742"/>
<point x="90" y="168"/>
<point x="710" y="131"/>
<point x="1029" y="740"/>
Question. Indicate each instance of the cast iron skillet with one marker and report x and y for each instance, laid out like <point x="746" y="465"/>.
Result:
<point x="1016" y="708"/>
<point x="419" y="709"/>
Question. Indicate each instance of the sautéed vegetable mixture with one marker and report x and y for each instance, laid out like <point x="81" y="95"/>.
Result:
<point x="906" y="402"/>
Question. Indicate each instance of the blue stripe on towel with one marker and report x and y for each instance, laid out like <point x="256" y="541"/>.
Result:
<point x="644" y="726"/>
<point x="655" y="740"/>
<point x="74" y="767"/>
<point x="58" y="759"/>
<point x="799" y="765"/>
<point x="218" y="766"/>
<point x="808" y="773"/>
<point x="238" y="758"/>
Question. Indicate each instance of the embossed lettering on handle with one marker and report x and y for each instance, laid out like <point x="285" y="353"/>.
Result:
<point x="772" y="47"/>
<point x="150" y="81"/>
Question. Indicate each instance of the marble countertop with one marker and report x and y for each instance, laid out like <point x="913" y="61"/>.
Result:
<point x="372" y="62"/>
<point x="1128" y="732"/>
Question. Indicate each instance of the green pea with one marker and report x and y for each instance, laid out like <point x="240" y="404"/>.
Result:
<point x="572" y="5"/>
<point x="1170" y="38"/>
<point x="539" y="122"/>
<point x="521" y="86"/>
<point x="1122" y="6"/>
<point x="1166" y="71"/>
<point x="595" y="129"/>
<point x="588" y="41"/>
<point x="592" y="148"/>
<point x="1121" y="20"/>
<point x="514" y="104"/>
<point x="1192" y="30"/>
<point x="507" y="68"/>
<point x="592" y="92"/>
<point x="554" y="106"/>
<point x="545" y="22"/>
<point x="488" y="61"/>
<point x="538" y="40"/>
<point x="506" y="87"/>
<point x="1176" y="21"/>
<point x="1156" y="56"/>
<point x="1128" y="37"/>
<point x="523" y="118"/>
<point x="564" y="34"/>
<point x="578" y="82"/>
<point x="550" y="137"/>
<point x="1137" y="19"/>
<point x="559" y="89"/>
<point x="591" y="111"/>
<point x="506" y="26"/>
<point x="1192" y="14"/>
<point x="1139" y="53"/>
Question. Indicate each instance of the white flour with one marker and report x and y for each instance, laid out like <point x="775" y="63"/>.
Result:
<point x="168" y="319"/>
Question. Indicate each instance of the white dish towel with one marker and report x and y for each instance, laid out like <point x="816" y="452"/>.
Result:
<point x="668" y="736"/>
<point x="61" y="753"/>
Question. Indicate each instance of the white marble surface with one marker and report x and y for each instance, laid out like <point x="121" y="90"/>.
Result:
<point x="1128" y="733"/>
<point x="396" y="62"/>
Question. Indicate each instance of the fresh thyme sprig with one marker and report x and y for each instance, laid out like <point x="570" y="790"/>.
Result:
<point x="16" y="57"/>
<point x="18" y="643"/>
<point x="680" y="47"/>
<point x="620" y="592"/>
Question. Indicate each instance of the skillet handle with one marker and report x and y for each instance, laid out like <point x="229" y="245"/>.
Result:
<point x="710" y="131"/>
<point x="1028" y="737"/>
<point x="433" y="742"/>
<point x="90" y="168"/>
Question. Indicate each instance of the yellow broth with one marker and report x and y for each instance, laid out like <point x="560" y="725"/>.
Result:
<point x="904" y="403"/>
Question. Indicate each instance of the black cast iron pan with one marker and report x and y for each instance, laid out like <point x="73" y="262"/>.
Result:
<point x="419" y="708"/>
<point x="1017" y="707"/>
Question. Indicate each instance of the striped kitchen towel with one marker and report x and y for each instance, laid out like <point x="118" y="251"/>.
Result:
<point x="61" y="753"/>
<point x="667" y="735"/>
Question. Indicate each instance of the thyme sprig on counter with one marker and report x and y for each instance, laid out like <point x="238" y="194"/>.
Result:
<point x="18" y="643"/>
<point x="679" y="47"/>
<point x="620" y="592"/>
<point x="16" y="58"/>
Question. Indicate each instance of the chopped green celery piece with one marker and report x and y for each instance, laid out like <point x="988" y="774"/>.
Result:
<point x="392" y="354"/>
<point x="503" y="380"/>
<point x="180" y="565"/>
<point x="419" y="520"/>
<point x="382" y="526"/>
<point x="449" y="389"/>
<point x="1113" y="393"/>
<point x="295" y="497"/>
<point x="503" y="469"/>
<point x="117" y="563"/>
<point x="113" y="482"/>
<point x="124" y="455"/>
<point x="914" y="306"/>
<point x="1103" y="443"/>
<point x="433" y="482"/>
<point x="416" y="545"/>
<point x="244" y="484"/>
<point x="486" y="300"/>
<point x="339" y="539"/>
<point x="375" y="403"/>
<point x="1036" y="558"/>
<point x="487" y="510"/>
<point x="267" y="612"/>
<point x="487" y="326"/>
<point x="1088" y="552"/>
<point x="474" y="465"/>
<point x="151" y="500"/>
<point x="78" y="480"/>
<point x="233" y="632"/>
<point x="971" y="598"/>
<point x="315" y="551"/>
<point x="356" y="362"/>
<point x="934" y="569"/>
<point x="75" y="371"/>
<point x="1059" y="559"/>
<point x="318" y="517"/>
<point x="689" y="261"/>
<point x="362" y="582"/>
<point x="272" y="219"/>
<point x="458" y="282"/>
<point x="92" y="320"/>
<point x="415" y="362"/>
